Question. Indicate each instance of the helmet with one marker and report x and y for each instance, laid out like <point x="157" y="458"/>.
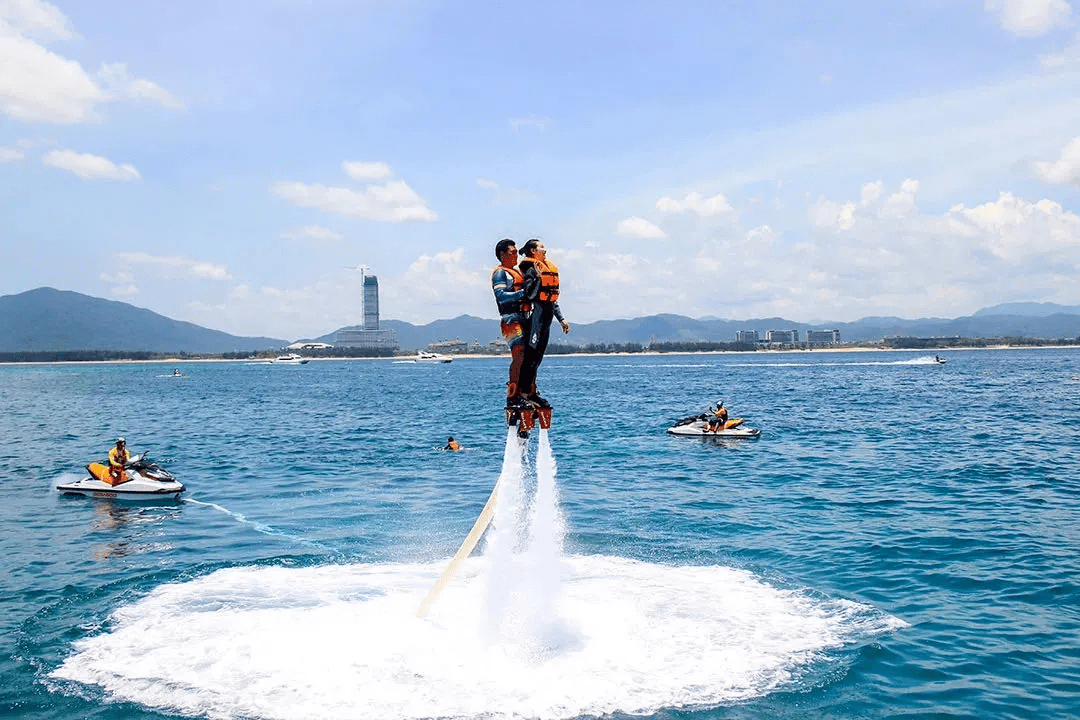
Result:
<point x="119" y="441"/>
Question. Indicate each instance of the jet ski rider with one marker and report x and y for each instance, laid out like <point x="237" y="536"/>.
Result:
<point x="118" y="458"/>
<point x="508" y="284"/>
<point x="717" y="418"/>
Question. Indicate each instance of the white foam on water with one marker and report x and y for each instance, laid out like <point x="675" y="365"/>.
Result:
<point x="344" y="642"/>
<point x="522" y="631"/>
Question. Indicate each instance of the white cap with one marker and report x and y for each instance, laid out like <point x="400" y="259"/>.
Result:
<point x="119" y="440"/>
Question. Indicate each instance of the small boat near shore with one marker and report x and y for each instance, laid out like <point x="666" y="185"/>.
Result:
<point x="432" y="357"/>
<point x="290" y="359"/>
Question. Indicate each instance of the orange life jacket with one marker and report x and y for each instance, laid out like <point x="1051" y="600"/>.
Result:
<point x="549" y="280"/>
<point x="517" y="284"/>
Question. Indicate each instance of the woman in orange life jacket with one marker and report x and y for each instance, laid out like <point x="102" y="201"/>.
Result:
<point x="118" y="457"/>
<point x="508" y="284"/>
<point x="542" y="290"/>
<point x="452" y="444"/>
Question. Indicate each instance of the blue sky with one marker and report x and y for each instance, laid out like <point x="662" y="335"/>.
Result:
<point x="227" y="163"/>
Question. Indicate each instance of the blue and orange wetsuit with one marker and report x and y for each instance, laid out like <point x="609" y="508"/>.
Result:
<point x="508" y="284"/>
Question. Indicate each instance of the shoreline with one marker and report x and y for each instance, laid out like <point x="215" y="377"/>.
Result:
<point x="480" y="356"/>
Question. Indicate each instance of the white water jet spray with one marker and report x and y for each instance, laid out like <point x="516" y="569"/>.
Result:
<point x="524" y="552"/>
<point x="504" y="536"/>
<point x="544" y="555"/>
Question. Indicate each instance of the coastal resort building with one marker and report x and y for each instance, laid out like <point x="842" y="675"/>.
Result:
<point x="368" y="336"/>
<point x="304" y="345"/>
<point x="821" y="338"/>
<point x="750" y="337"/>
<point x="781" y="338"/>
<point x="449" y="347"/>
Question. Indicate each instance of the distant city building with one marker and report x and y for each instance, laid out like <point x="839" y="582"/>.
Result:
<point x="368" y="336"/>
<point x="498" y="346"/>
<point x="822" y="337"/>
<point x="448" y="346"/>
<point x="371" y="302"/>
<point x="747" y="336"/>
<point x="308" y="346"/>
<point x="781" y="337"/>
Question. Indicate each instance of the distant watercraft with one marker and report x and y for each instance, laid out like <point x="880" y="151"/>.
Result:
<point x="940" y="360"/>
<point x="146" y="481"/>
<point x="290" y="359"/>
<point x="432" y="357"/>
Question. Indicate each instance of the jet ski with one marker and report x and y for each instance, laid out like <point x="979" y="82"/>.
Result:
<point x="698" y="425"/>
<point x="145" y="481"/>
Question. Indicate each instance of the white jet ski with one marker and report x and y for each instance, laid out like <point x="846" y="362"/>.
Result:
<point x="698" y="426"/>
<point x="146" y="481"/>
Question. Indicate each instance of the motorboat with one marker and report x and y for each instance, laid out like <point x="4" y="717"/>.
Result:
<point x="698" y="426"/>
<point x="146" y="481"/>
<point x="290" y="359"/>
<point x="432" y="357"/>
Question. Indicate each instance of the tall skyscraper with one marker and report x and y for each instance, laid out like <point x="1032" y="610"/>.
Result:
<point x="371" y="302"/>
<point x="368" y="336"/>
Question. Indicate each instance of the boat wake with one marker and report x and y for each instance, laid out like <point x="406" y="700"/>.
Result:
<point x="261" y="527"/>
<point x="523" y="630"/>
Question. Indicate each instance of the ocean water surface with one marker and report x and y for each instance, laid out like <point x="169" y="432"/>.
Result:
<point x="903" y="541"/>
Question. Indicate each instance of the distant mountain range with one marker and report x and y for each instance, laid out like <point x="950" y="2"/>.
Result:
<point x="58" y="320"/>
<point x="1027" y="320"/>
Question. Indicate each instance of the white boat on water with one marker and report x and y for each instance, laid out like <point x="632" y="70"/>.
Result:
<point x="432" y="357"/>
<point x="290" y="359"/>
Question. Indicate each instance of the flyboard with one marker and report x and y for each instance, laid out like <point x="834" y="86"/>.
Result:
<point x="525" y="419"/>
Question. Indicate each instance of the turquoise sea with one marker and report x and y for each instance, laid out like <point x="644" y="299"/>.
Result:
<point x="903" y="541"/>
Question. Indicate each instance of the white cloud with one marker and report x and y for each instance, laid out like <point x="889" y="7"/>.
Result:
<point x="90" y="167"/>
<point x="828" y="215"/>
<point x="10" y="154"/>
<point x="508" y="196"/>
<point x="116" y="79"/>
<point x="442" y="285"/>
<point x="393" y="202"/>
<point x="1023" y="232"/>
<point x="34" y="18"/>
<point x="870" y="193"/>
<point x="366" y="170"/>
<point x="124" y="291"/>
<point x="694" y="202"/>
<point x="639" y="227"/>
<point x="313" y="232"/>
<point x="183" y="266"/>
<point x="38" y="85"/>
<point x="1030" y="18"/>
<point x="902" y="202"/>
<point x="540" y="123"/>
<point x="1067" y="168"/>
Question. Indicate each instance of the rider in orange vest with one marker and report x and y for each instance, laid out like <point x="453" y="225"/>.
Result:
<point x="542" y="289"/>
<point x="118" y="457"/>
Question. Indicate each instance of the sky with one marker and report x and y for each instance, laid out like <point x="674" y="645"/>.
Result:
<point x="241" y="164"/>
